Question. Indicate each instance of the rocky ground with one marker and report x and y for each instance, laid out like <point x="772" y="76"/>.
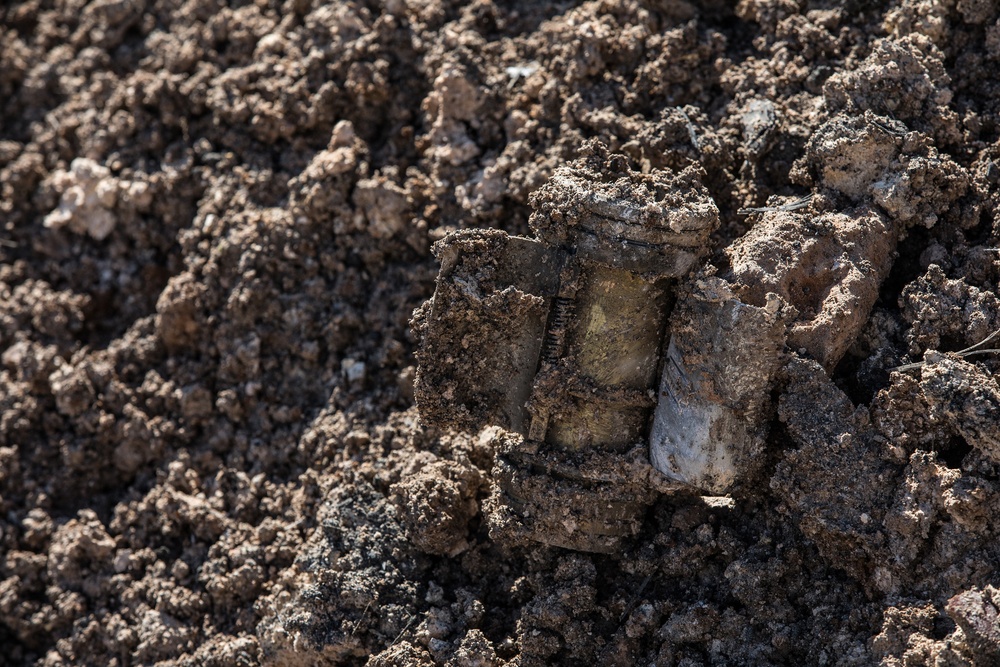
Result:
<point x="215" y="224"/>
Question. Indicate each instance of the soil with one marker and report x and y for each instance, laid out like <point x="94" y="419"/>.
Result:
<point x="216" y="221"/>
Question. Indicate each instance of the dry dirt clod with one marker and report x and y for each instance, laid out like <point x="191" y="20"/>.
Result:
<point x="977" y="613"/>
<point x="967" y="398"/>
<point x="828" y="267"/>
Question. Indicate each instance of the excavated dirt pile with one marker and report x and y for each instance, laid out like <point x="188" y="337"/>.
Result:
<point x="216" y="222"/>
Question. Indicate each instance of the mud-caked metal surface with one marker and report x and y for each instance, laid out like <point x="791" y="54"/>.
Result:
<point x="561" y="343"/>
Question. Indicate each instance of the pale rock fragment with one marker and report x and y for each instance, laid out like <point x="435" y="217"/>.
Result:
<point x="89" y="197"/>
<point x="383" y="204"/>
<point x="451" y="108"/>
<point x="354" y="370"/>
<point x="322" y="191"/>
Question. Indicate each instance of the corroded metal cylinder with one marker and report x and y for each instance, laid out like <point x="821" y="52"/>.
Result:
<point x="600" y="360"/>
<point x="710" y="421"/>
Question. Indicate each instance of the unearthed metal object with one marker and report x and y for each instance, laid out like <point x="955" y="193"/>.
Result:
<point x="559" y="340"/>
<point x="482" y="331"/>
<point x="805" y="281"/>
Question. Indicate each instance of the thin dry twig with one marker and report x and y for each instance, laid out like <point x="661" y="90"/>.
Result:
<point x="799" y="203"/>
<point x="692" y="134"/>
<point x="967" y="352"/>
<point x="635" y="598"/>
<point x="403" y="631"/>
<point x="363" y="614"/>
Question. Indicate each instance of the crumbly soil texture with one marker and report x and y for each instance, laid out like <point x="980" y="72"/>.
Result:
<point x="216" y="220"/>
